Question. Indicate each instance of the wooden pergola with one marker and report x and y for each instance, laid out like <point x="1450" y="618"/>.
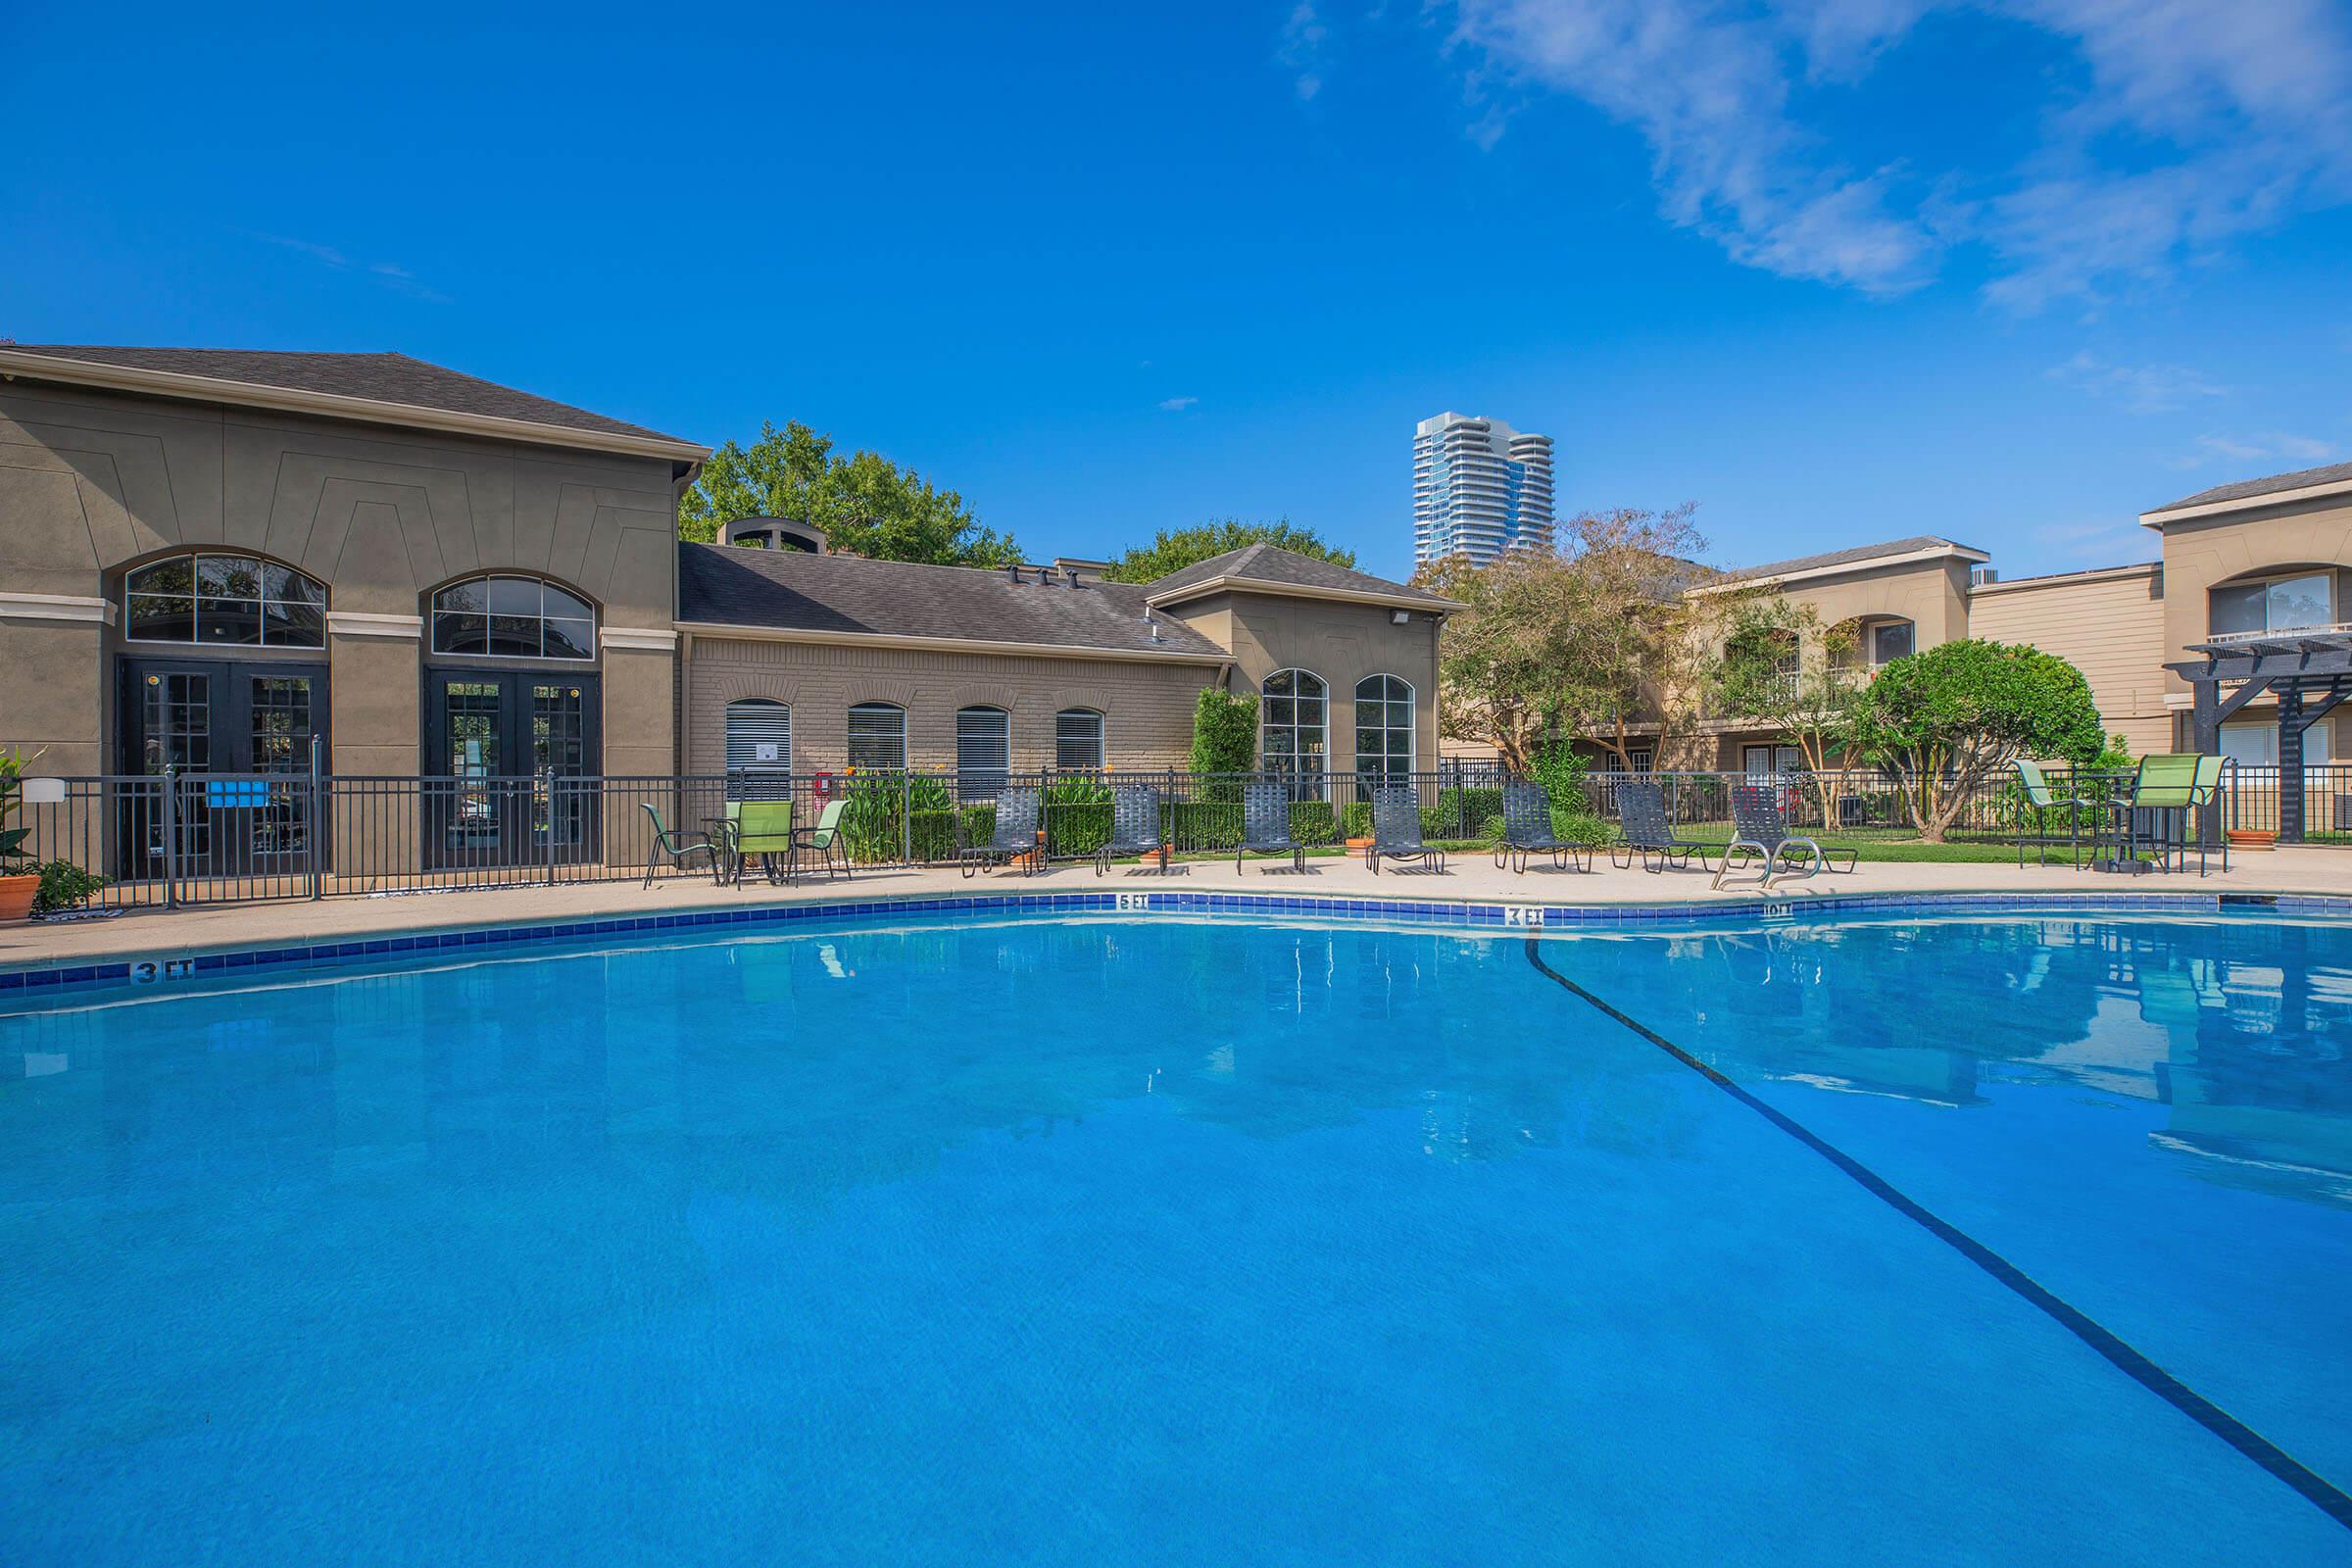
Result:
<point x="2308" y="670"/>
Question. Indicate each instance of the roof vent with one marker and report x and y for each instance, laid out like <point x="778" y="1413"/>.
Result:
<point x="1012" y="572"/>
<point x="1983" y="575"/>
<point x="1154" y="626"/>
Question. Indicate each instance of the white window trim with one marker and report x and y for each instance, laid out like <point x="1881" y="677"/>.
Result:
<point x="1412" y="728"/>
<point x="726" y="737"/>
<point x="596" y="623"/>
<point x="1323" y="760"/>
<point x="1101" y="737"/>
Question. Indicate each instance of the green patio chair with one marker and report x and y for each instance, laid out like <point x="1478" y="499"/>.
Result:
<point x="2040" y="800"/>
<point x="764" y="828"/>
<point x="2162" y="793"/>
<point x="678" y="845"/>
<point x="826" y="841"/>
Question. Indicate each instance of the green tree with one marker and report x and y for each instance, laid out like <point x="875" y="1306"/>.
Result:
<point x="864" y="504"/>
<point x="1944" y="721"/>
<point x="1786" y="670"/>
<point x="1174" y="548"/>
<point x="1597" y="641"/>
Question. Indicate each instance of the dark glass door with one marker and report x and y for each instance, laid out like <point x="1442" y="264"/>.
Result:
<point x="494" y="740"/>
<point x="238" y="737"/>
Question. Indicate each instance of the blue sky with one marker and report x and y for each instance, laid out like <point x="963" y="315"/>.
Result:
<point x="1835" y="270"/>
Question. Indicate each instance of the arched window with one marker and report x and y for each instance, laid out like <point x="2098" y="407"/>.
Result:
<point x="983" y="751"/>
<point x="1383" y="728"/>
<point x="225" y="600"/>
<point x="1292" y="723"/>
<point x="878" y="737"/>
<point x="758" y="736"/>
<point x="1078" y="740"/>
<point x="513" y="617"/>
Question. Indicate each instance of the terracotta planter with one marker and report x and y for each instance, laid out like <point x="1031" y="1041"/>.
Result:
<point x="2253" y="838"/>
<point x="1359" y="846"/>
<point x="16" y="896"/>
<point x="1159" y="856"/>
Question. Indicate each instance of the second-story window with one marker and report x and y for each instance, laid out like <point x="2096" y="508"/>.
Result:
<point x="2275" y="605"/>
<point x="1890" y="640"/>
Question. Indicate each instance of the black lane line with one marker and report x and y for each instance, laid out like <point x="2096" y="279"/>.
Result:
<point x="2327" y="1497"/>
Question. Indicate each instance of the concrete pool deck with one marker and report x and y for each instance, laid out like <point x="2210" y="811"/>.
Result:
<point x="154" y="932"/>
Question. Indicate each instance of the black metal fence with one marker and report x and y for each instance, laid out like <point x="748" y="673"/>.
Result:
<point x="209" y="838"/>
<point x="204" y="838"/>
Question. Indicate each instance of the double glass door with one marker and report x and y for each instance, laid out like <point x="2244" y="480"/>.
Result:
<point x="499" y="745"/>
<point x="237" y="737"/>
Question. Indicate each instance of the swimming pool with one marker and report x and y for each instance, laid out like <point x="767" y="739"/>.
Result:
<point x="1110" y="1239"/>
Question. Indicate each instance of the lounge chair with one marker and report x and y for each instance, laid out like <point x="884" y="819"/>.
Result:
<point x="1135" y="828"/>
<point x="1527" y="830"/>
<point x="1013" y="841"/>
<point x="2041" y="800"/>
<point x="1643" y="830"/>
<point x="825" y="843"/>
<point x="1397" y="830"/>
<point x="1760" y="835"/>
<point x="1266" y="825"/>
<point x="762" y="828"/>
<point x="2167" y="787"/>
<point x="678" y="845"/>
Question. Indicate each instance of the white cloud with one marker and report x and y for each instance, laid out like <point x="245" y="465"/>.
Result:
<point x="1176" y="405"/>
<point x="1302" y="39"/>
<point x="391" y="275"/>
<point x="2230" y="119"/>
<point x="2273" y="446"/>
<point x="2141" y="388"/>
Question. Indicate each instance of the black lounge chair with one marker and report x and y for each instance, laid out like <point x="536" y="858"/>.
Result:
<point x="1397" y="830"/>
<point x="1760" y="835"/>
<point x="1643" y="830"/>
<point x="1527" y="830"/>
<point x="1266" y="825"/>
<point x="1134" y="827"/>
<point x="1014" y="841"/>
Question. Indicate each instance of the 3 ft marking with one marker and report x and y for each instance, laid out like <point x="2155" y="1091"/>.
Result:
<point x="1138" y="902"/>
<point x="147" y="972"/>
<point x="1522" y="914"/>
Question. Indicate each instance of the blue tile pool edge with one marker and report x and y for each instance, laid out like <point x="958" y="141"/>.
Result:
<point x="72" y="973"/>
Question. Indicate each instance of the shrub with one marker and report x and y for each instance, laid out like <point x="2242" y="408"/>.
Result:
<point x="871" y="811"/>
<point x="1212" y="825"/>
<point x="1076" y="815"/>
<point x="1355" y="819"/>
<point x="1464" y="809"/>
<point x="1314" y="823"/>
<point x="64" y="886"/>
<point x="1224" y="739"/>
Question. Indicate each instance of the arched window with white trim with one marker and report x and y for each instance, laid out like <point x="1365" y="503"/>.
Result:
<point x="507" y="617"/>
<point x="878" y="737"/>
<point x="225" y="600"/>
<point x="1294" y="722"/>
<point x="1383" y="728"/>
<point x="758" y="736"/>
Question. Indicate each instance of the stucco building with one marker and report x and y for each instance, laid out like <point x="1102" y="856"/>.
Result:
<point x="211" y="559"/>
<point x="2254" y="558"/>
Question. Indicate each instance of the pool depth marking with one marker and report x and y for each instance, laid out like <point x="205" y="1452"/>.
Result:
<point x="2315" y="1488"/>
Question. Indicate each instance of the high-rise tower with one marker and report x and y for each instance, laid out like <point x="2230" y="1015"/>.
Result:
<point x="1479" y="488"/>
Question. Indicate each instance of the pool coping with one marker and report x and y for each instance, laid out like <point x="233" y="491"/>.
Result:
<point x="172" y="964"/>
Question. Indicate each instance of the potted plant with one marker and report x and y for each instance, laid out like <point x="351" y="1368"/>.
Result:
<point x="20" y="876"/>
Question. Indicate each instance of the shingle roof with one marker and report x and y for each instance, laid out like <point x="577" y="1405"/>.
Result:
<point x="1271" y="563"/>
<point x="2246" y="489"/>
<point x="793" y="590"/>
<point x="377" y="378"/>
<point x="1855" y="556"/>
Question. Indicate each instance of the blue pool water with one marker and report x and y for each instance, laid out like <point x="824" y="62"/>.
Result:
<point x="1101" y="1242"/>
